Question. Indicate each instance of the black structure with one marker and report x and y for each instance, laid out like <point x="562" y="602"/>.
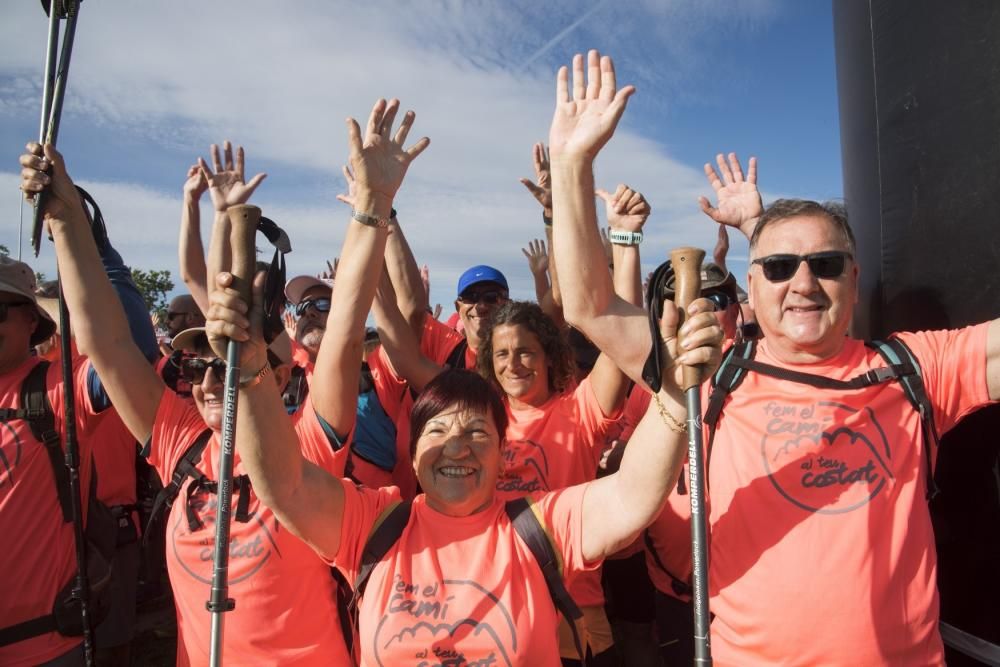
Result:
<point x="919" y="88"/>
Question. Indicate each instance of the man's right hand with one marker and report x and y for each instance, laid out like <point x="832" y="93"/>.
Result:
<point x="740" y="204"/>
<point x="538" y="257"/>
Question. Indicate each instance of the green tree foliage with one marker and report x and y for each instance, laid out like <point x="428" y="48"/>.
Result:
<point x="154" y="286"/>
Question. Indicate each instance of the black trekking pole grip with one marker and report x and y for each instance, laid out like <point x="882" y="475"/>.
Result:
<point x="243" y="220"/>
<point x="686" y="263"/>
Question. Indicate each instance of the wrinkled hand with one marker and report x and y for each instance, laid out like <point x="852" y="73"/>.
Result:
<point x="698" y="342"/>
<point x="739" y="199"/>
<point x="542" y="189"/>
<point x="195" y="184"/>
<point x="45" y="169"/>
<point x="229" y="316"/>
<point x="721" y="250"/>
<point x="626" y="209"/>
<point x="226" y="183"/>
<point x="538" y="257"/>
<point x="585" y="121"/>
<point x="378" y="160"/>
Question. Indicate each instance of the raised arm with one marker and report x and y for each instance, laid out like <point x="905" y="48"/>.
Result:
<point x="398" y="341"/>
<point x="378" y="165"/>
<point x="190" y="249"/>
<point x="583" y="122"/>
<point x="99" y="322"/>
<point x="617" y="507"/>
<point x="627" y="211"/>
<point x="412" y="296"/>
<point x="739" y="202"/>
<point x="541" y="190"/>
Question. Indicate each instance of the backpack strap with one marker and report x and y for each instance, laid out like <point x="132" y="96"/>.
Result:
<point x="679" y="586"/>
<point x="37" y="411"/>
<point x="186" y="467"/>
<point x="899" y="357"/>
<point x="729" y="376"/>
<point x="867" y="379"/>
<point x="456" y="359"/>
<point x="531" y="531"/>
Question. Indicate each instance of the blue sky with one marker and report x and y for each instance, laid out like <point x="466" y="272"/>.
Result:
<point x="152" y="85"/>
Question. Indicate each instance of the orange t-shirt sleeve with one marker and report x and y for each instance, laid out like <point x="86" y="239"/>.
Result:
<point x="562" y="515"/>
<point x="175" y="428"/>
<point x="590" y="415"/>
<point x="362" y="508"/>
<point x="953" y="367"/>
<point x="438" y="340"/>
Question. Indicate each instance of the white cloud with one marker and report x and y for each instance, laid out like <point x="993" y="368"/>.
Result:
<point x="281" y="77"/>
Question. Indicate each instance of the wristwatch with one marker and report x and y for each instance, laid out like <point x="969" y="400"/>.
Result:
<point x="620" y="237"/>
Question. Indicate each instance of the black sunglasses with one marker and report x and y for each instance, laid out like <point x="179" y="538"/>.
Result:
<point x="779" y="268"/>
<point x="5" y="307"/>
<point x="490" y="297"/>
<point x="720" y="299"/>
<point x="321" y="305"/>
<point x="193" y="369"/>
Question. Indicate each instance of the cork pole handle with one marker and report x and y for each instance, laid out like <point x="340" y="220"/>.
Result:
<point x="686" y="263"/>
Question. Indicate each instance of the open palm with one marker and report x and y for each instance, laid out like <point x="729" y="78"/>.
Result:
<point x="585" y="121"/>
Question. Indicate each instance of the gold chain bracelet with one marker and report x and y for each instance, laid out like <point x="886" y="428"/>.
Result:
<point x="669" y="419"/>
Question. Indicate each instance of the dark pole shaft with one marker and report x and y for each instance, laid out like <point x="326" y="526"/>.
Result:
<point x="72" y="457"/>
<point x="699" y="530"/>
<point x="686" y="263"/>
<point x="52" y="101"/>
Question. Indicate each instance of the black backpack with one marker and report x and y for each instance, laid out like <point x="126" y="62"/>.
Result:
<point x="902" y="366"/>
<point x="387" y="531"/>
<point x="101" y="532"/>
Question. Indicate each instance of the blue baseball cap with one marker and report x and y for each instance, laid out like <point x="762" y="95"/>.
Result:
<point x="481" y="274"/>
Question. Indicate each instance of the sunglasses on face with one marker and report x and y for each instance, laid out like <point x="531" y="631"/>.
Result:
<point x="721" y="300"/>
<point x="490" y="297"/>
<point x="779" y="268"/>
<point x="193" y="369"/>
<point x="5" y="308"/>
<point x="321" y="306"/>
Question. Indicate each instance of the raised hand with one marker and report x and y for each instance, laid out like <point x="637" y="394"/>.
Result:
<point x="331" y="270"/>
<point x="195" y="184"/>
<point x="538" y="257"/>
<point x="288" y="319"/>
<point x="226" y="183"/>
<point x="44" y="169"/>
<point x="541" y="187"/>
<point x="584" y="121"/>
<point x="626" y="209"/>
<point x="739" y="200"/>
<point x="378" y="160"/>
<point x="437" y="311"/>
<point x="352" y="187"/>
<point x="425" y="280"/>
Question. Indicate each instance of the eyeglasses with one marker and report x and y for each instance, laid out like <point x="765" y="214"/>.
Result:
<point x="490" y="297"/>
<point x="193" y="369"/>
<point x="321" y="306"/>
<point x="720" y="299"/>
<point x="779" y="268"/>
<point x="5" y="307"/>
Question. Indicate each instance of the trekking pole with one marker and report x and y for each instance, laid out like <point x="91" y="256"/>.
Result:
<point x="72" y="458"/>
<point x="686" y="263"/>
<point x="53" y="91"/>
<point x="244" y="219"/>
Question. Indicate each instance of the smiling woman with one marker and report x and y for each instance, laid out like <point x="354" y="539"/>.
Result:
<point x="459" y="585"/>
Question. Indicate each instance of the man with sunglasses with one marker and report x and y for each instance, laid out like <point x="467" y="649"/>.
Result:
<point x="183" y="313"/>
<point x="822" y="550"/>
<point x="310" y="298"/>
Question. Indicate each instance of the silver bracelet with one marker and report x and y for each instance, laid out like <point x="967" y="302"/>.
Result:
<point x="369" y="220"/>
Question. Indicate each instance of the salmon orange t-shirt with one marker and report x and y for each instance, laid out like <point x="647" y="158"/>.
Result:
<point x="553" y="446"/>
<point x="822" y="550"/>
<point x="286" y="611"/>
<point x="459" y="590"/>
<point x="39" y="554"/>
